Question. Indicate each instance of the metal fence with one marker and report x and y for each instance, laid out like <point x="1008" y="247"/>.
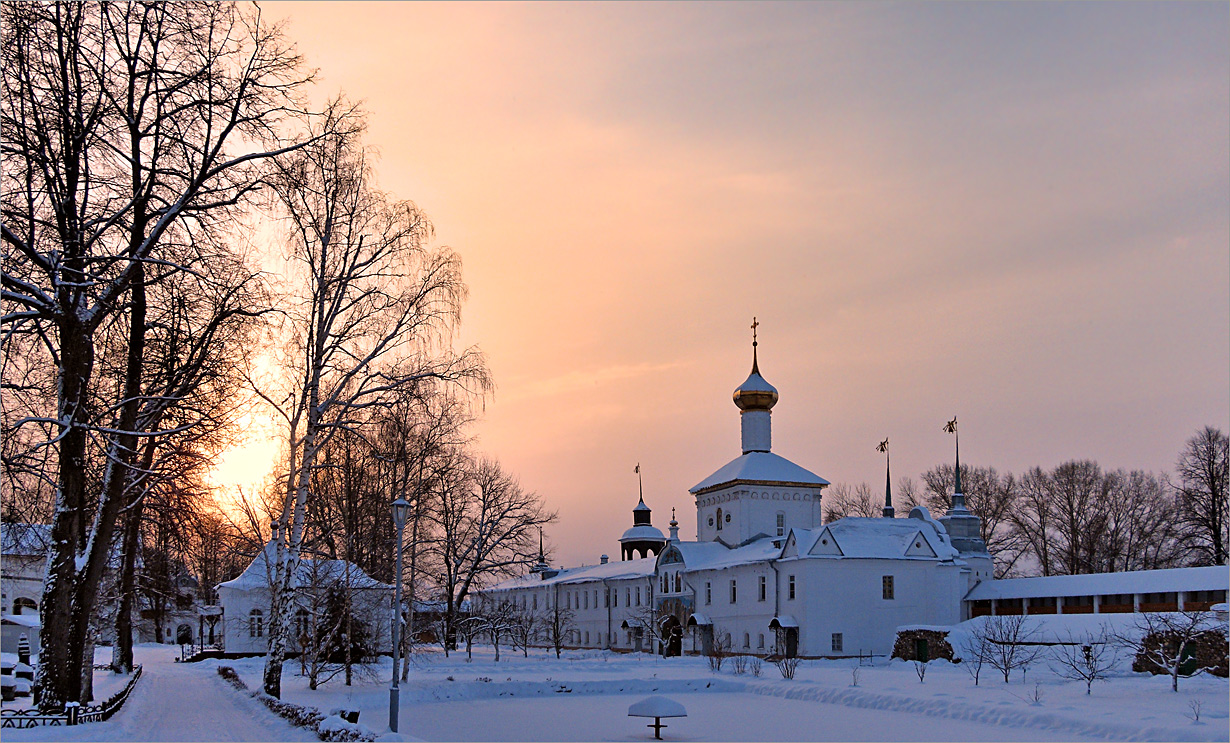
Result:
<point x="29" y="718"/>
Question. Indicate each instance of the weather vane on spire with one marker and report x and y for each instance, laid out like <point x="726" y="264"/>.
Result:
<point x="755" y="363"/>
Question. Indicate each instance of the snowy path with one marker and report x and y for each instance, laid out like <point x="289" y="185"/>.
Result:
<point x="174" y="702"/>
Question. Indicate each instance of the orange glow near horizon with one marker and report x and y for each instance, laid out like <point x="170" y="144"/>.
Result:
<point x="1016" y="213"/>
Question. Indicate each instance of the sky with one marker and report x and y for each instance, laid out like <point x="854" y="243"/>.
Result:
<point x="1015" y="213"/>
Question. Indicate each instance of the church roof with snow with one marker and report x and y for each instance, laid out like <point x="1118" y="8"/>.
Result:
<point x="25" y="539"/>
<point x="872" y="538"/>
<point x="312" y="572"/>
<point x="623" y="569"/>
<point x="759" y="467"/>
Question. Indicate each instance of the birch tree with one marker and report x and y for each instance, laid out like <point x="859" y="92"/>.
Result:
<point x="370" y="308"/>
<point x="122" y="125"/>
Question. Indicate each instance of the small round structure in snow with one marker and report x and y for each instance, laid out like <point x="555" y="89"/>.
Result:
<point x="657" y="708"/>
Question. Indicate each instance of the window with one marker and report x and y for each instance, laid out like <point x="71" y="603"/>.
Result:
<point x="586" y="597"/>
<point x="24" y="605"/>
<point x="678" y="582"/>
<point x="760" y="642"/>
<point x="606" y="598"/>
<point x="790" y="587"/>
<point x="663" y="581"/>
<point x="747" y="640"/>
<point x="628" y="597"/>
<point x="595" y="598"/>
<point x="887" y="584"/>
<point x="535" y="601"/>
<point x="708" y="592"/>
<point x="586" y="638"/>
<point x="256" y="623"/>
<point x="302" y="625"/>
<point x="734" y="591"/>
<point x="615" y="597"/>
<point x="719" y="519"/>
<point x="837" y="643"/>
<point x="781" y="524"/>
<point x="763" y="585"/>
<point x="638" y="595"/>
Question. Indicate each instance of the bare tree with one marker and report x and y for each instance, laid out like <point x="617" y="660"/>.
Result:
<point x="123" y="125"/>
<point x="560" y="624"/>
<point x="1166" y="641"/>
<point x="1087" y="659"/>
<point x="371" y="311"/>
<point x="722" y="644"/>
<point x="1203" y="472"/>
<point x="486" y="528"/>
<point x="525" y="627"/>
<point x="990" y="496"/>
<point x="841" y="501"/>
<point x="1007" y="642"/>
<point x="975" y="650"/>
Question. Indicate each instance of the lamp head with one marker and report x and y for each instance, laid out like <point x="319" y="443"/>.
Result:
<point x="401" y="511"/>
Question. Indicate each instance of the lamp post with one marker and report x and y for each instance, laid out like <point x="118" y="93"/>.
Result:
<point x="401" y="509"/>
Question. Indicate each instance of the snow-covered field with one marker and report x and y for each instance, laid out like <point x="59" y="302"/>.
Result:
<point x="585" y="696"/>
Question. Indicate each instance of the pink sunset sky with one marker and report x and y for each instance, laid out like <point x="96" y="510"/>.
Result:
<point x="1018" y="213"/>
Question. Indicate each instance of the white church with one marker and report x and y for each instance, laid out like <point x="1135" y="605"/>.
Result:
<point x="765" y="575"/>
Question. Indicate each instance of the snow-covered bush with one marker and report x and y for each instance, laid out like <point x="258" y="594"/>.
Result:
<point x="334" y="728"/>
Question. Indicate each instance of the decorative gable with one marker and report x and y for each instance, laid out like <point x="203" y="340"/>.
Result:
<point x="792" y="546"/>
<point x="826" y="545"/>
<point x="919" y="547"/>
<point x="670" y="555"/>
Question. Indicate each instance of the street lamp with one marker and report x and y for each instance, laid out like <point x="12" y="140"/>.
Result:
<point x="401" y="510"/>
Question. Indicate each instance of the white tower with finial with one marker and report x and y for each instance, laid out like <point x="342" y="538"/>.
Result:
<point x="758" y="493"/>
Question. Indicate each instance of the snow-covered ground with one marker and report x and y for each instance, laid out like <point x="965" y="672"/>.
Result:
<point x="586" y="695"/>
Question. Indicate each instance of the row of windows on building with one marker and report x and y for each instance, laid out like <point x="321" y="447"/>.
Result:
<point x="886" y="588"/>
<point x="583" y="638"/>
<point x="723" y="518"/>
<point x="581" y="599"/>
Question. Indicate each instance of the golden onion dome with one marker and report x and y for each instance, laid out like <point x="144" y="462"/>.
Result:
<point x="755" y="393"/>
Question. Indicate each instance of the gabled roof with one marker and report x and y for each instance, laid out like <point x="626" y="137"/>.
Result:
<point x="320" y="572"/>
<point x="881" y="538"/>
<point x="759" y="467"/>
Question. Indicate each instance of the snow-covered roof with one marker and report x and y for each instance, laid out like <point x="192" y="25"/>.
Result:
<point x="716" y="556"/>
<point x="783" y="621"/>
<point x="868" y="538"/>
<point x="699" y="620"/>
<point x="24" y="620"/>
<point x="643" y="532"/>
<point x="760" y="467"/>
<point x="657" y="707"/>
<point x="25" y="539"/>
<point x="623" y="569"/>
<point x="312" y="571"/>
<point x="1102" y="584"/>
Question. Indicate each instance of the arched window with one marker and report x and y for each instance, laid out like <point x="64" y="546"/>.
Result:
<point x="302" y="626"/>
<point x="719" y="517"/>
<point x="256" y="623"/>
<point x="678" y="582"/>
<point x="747" y="640"/>
<point x="24" y="605"/>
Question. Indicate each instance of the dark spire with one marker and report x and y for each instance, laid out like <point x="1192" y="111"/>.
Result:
<point x="755" y="366"/>
<point x="888" y="480"/>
